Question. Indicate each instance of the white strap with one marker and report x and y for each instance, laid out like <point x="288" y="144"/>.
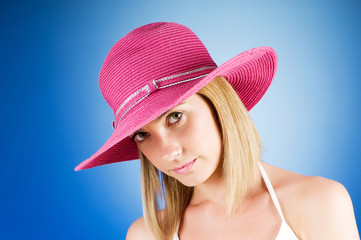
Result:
<point x="176" y="233"/>
<point x="270" y="190"/>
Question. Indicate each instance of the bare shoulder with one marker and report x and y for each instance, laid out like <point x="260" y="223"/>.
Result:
<point x="328" y="210"/>
<point x="315" y="207"/>
<point x="139" y="231"/>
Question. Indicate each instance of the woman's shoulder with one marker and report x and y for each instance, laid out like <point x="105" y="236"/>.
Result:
<point x="139" y="231"/>
<point x="314" y="205"/>
<point x="302" y="186"/>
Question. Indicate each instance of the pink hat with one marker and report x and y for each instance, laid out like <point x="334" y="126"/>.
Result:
<point x="156" y="67"/>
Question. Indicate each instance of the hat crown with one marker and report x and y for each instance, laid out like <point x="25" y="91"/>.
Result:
<point x="149" y="53"/>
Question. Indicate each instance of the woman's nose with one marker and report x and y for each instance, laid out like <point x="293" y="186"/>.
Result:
<point x="169" y="148"/>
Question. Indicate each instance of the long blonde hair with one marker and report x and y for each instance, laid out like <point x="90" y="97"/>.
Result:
<point x="241" y="152"/>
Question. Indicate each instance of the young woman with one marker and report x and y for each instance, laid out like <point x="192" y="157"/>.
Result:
<point x="202" y="174"/>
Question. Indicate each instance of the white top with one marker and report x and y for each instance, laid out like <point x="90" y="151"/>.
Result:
<point x="285" y="232"/>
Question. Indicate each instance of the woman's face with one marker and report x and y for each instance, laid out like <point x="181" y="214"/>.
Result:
<point x="184" y="143"/>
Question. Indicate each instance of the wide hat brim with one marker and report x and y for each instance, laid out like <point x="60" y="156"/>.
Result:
<point x="250" y="74"/>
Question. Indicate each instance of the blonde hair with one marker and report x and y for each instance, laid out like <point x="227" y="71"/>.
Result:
<point x="241" y="152"/>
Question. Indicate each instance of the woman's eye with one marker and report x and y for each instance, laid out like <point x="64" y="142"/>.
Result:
<point x="139" y="136"/>
<point x="174" y="117"/>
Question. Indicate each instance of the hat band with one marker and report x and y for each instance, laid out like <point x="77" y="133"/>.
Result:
<point x="154" y="85"/>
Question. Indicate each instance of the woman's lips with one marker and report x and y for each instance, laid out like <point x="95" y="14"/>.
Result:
<point x="184" y="168"/>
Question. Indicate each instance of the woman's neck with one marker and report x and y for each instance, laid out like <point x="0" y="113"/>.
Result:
<point x="212" y="191"/>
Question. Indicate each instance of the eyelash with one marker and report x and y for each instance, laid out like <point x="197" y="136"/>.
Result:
<point x="179" y="120"/>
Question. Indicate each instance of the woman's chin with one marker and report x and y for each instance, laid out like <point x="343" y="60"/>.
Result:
<point x="190" y="181"/>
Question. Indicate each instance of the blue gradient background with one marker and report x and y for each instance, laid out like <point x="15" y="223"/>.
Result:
<point x="53" y="115"/>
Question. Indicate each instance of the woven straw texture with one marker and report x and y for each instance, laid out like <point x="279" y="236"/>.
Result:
<point x="157" y="66"/>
